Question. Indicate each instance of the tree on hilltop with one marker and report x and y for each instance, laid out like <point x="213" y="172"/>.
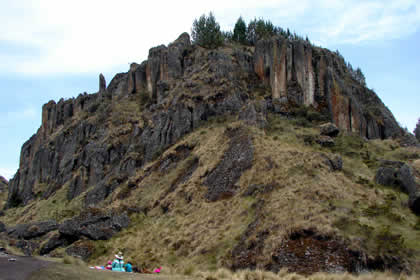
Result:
<point x="239" y="31"/>
<point x="259" y="29"/>
<point x="206" y="32"/>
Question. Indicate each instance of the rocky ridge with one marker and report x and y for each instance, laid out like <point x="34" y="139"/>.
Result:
<point x="98" y="149"/>
<point x="184" y="85"/>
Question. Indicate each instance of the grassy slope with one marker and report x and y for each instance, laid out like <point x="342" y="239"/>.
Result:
<point x="306" y="195"/>
<point x="195" y="234"/>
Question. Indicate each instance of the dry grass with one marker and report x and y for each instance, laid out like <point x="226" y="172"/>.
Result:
<point x="194" y="235"/>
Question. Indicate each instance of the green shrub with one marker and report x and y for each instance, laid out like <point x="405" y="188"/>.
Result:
<point x="206" y="32"/>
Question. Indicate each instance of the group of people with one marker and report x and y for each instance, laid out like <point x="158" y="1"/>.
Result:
<point x="118" y="265"/>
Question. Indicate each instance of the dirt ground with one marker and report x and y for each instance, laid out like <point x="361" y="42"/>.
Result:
<point x="21" y="269"/>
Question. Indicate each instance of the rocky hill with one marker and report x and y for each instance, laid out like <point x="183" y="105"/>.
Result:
<point x="214" y="157"/>
<point x="3" y="191"/>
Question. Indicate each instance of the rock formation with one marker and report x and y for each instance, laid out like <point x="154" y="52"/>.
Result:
<point x="3" y="184"/>
<point x="181" y="86"/>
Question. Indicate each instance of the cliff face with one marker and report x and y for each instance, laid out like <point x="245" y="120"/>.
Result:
<point x="3" y="184"/>
<point x="302" y="74"/>
<point x="95" y="142"/>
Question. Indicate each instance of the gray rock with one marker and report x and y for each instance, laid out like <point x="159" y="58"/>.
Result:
<point x="94" y="225"/>
<point x="329" y="129"/>
<point x="32" y="230"/>
<point x="401" y="176"/>
<point x="414" y="202"/>
<point x="53" y="243"/>
<point x="335" y="163"/>
<point x="2" y="227"/>
<point x="102" y="83"/>
<point x="325" y="141"/>
<point x="3" y="184"/>
<point x="238" y="158"/>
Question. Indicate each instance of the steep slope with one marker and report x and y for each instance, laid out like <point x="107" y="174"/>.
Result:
<point x="216" y="158"/>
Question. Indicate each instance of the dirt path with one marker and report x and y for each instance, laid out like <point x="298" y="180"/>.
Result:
<point x="20" y="269"/>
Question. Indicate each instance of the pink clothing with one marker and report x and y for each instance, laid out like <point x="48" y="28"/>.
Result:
<point x="157" y="270"/>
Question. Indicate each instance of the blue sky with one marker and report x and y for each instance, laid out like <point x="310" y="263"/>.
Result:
<point x="51" y="49"/>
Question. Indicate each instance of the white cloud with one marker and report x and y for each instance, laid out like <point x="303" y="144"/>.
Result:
<point x="7" y="173"/>
<point x="94" y="36"/>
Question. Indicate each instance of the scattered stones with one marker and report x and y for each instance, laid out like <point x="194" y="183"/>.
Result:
<point x="329" y="129"/>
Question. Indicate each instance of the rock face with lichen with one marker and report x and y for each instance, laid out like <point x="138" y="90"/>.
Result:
<point x="179" y="87"/>
<point x="96" y="149"/>
<point x="299" y="73"/>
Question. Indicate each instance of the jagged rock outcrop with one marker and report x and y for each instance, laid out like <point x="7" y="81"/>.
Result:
<point x="94" y="225"/>
<point x="400" y="175"/>
<point x="32" y="230"/>
<point x="329" y="129"/>
<point x="3" y="184"/>
<point x="299" y="73"/>
<point x="89" y="142"/>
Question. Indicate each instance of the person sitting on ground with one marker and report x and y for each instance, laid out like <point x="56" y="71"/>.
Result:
<point x="128" y="267"/>
<point x="109" y="265"/>
<point x="118" y="263"/>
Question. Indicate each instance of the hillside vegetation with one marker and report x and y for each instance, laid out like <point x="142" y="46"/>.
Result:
<point x="202" y="160"/>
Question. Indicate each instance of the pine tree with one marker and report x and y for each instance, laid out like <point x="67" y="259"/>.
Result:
<point x="206" y="32"/>
<point x="239" y="32"/>
<point x="417" y="130"/>
<point x="259" y="29"/>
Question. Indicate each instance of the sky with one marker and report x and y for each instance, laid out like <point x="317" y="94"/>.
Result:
<point x="52" y="49"/>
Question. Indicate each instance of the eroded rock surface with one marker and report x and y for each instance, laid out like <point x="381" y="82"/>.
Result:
<point x="94" y="225"/>
<point x="236" y="160"/>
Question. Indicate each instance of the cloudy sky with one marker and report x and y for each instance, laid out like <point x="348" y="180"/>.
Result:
<point x="51" y="49"/>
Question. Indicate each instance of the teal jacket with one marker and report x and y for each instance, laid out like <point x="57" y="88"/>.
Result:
<point x="118" y="265"/>
<point x="128" y="268"/>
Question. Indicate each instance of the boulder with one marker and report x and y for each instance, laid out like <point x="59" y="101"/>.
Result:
<point x="54" y="242"/>
<point x="335" y="162"/>
<point x="2" y="227"/>
<point x="329" y="129"/>
<point x="414" y="202"/>
<point x="32" y="230"/>
<point x="325" y="141"/>
<point x="94" y="225"/>
<point x="401" y="176"/>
